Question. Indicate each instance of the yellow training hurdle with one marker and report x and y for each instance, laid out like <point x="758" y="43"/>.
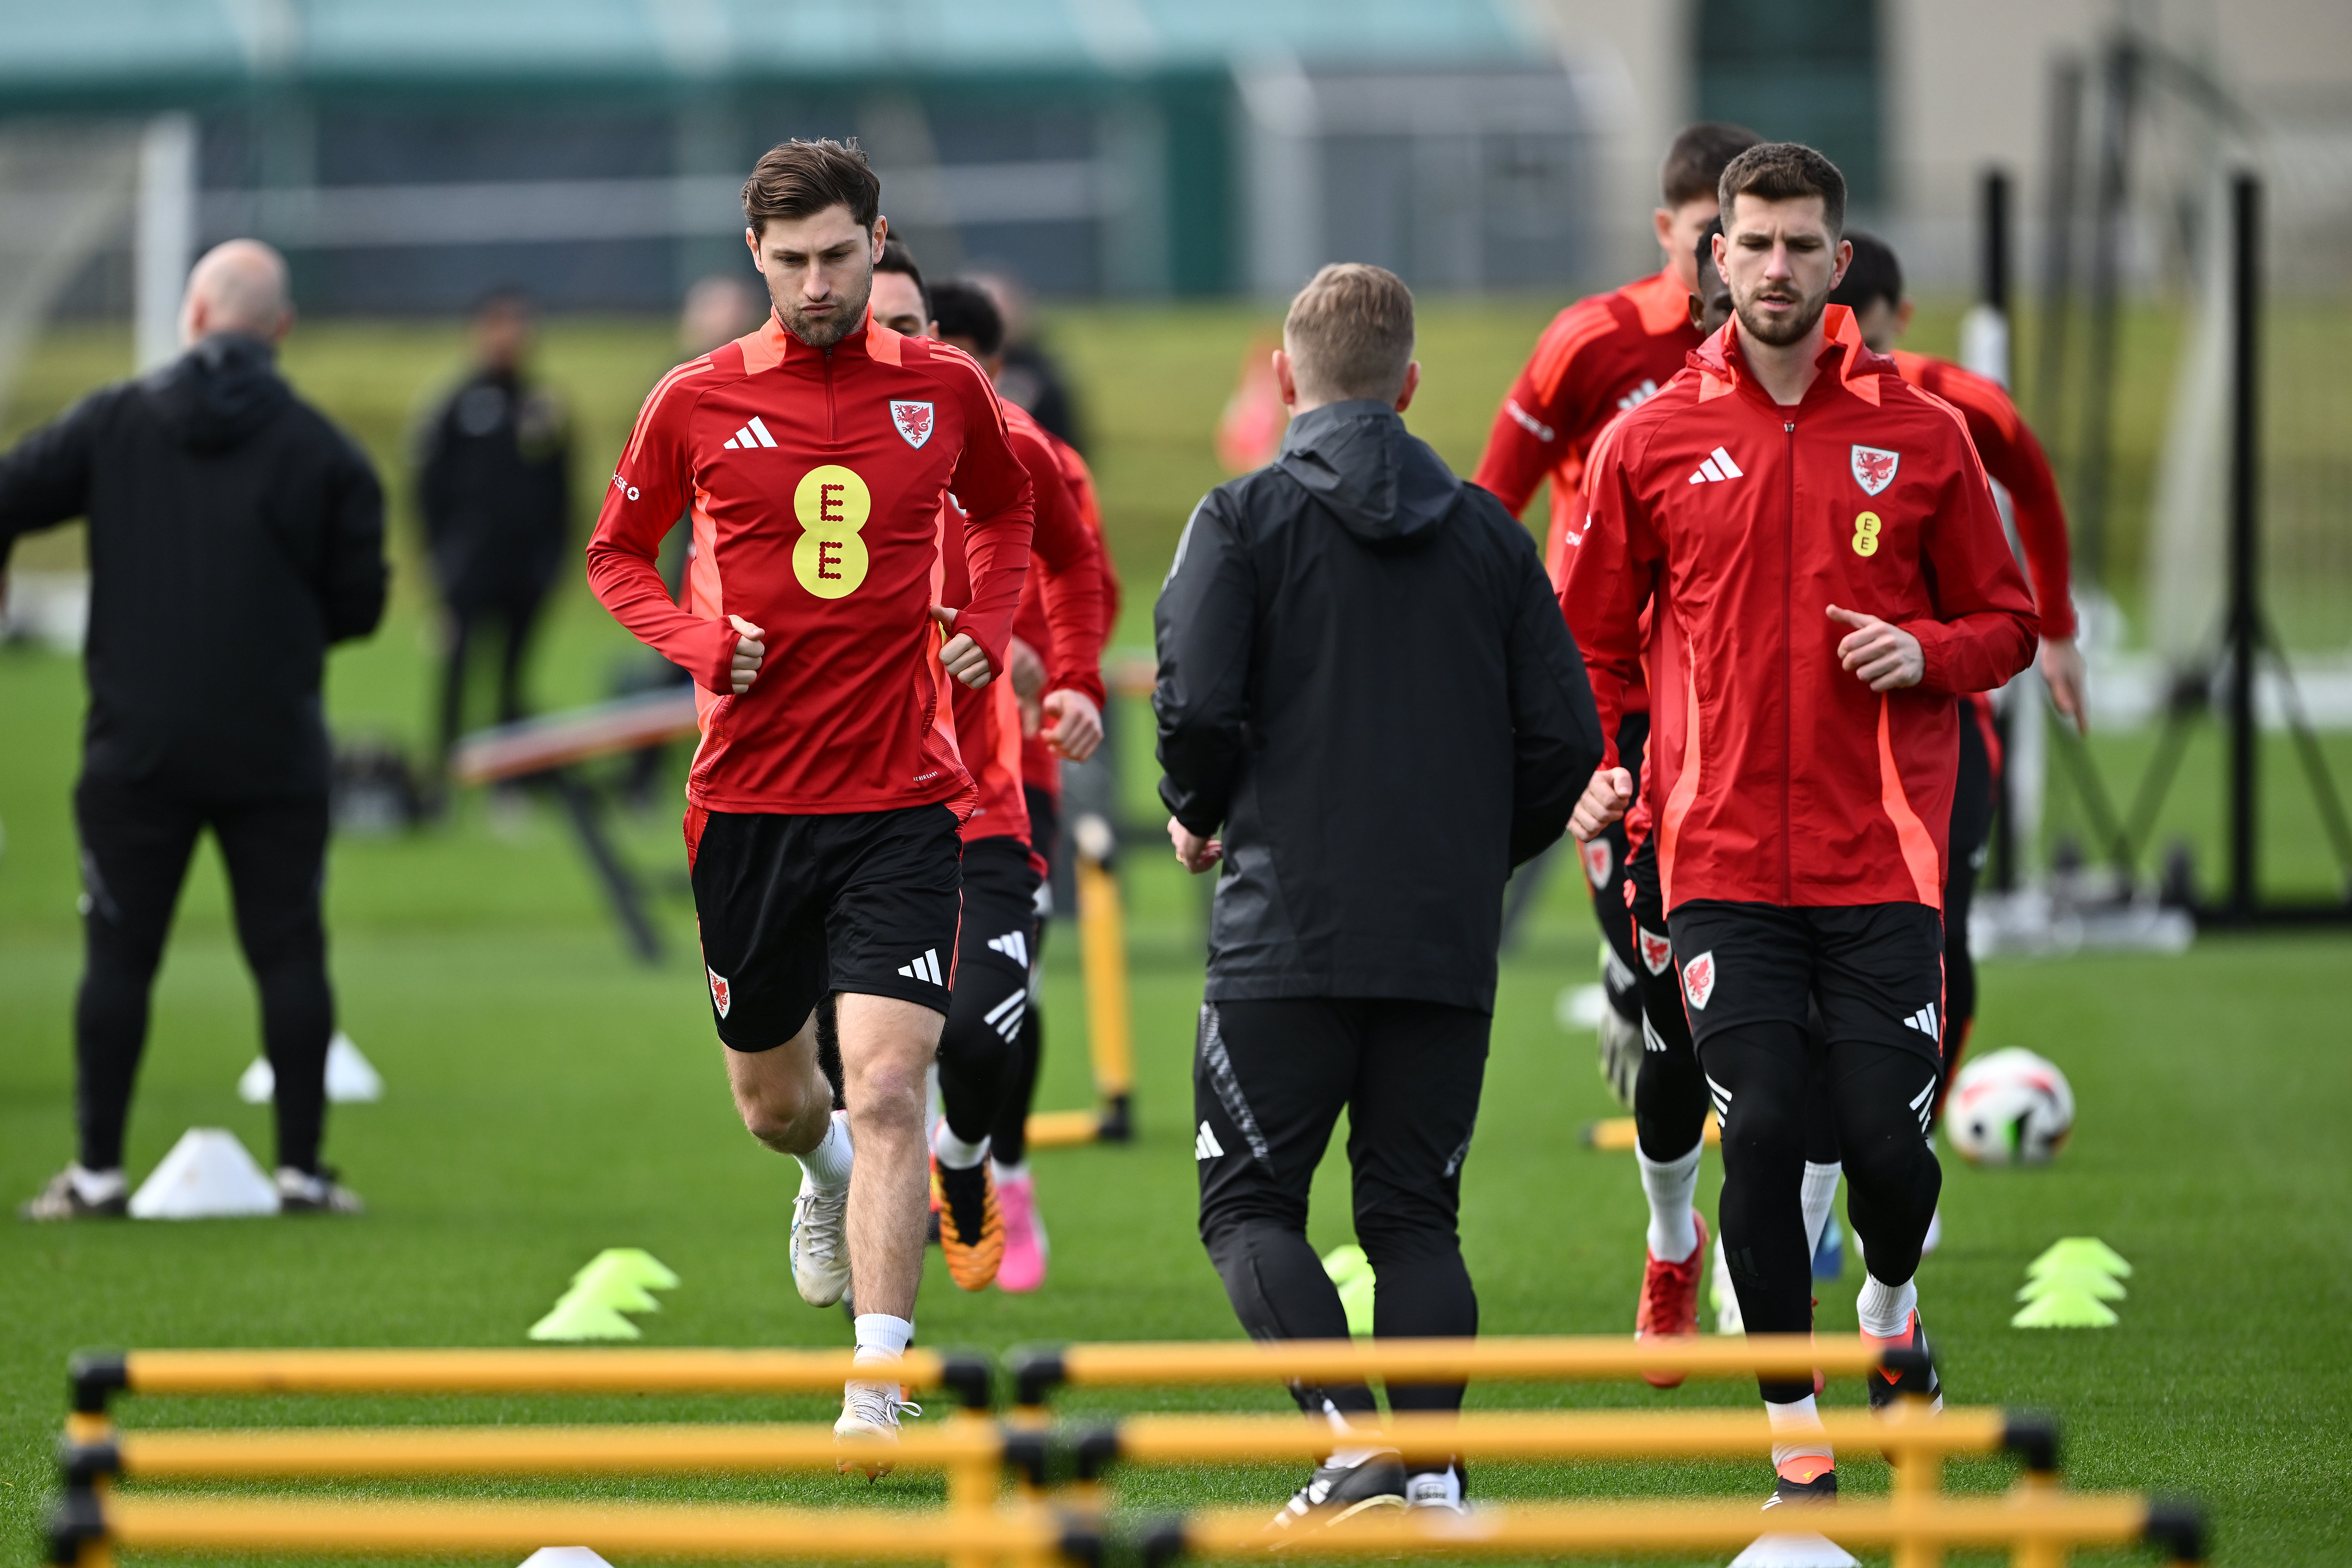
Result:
<point x="2036" y="1520"/>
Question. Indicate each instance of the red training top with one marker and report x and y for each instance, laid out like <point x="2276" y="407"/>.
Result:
<point x="1784" y="778"/>
<point x="2014" y="456"/>
<point x="1041" y="765"/>
<point x="815" y="477"/>
<point x="1069" y="580"/>
<point x="1600" y="357"/>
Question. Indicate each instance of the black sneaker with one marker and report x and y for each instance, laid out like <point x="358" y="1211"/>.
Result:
<point x="61" y="1199"/>
<point x="303" y="1192"/>
<point x="1338" y="1492"/>
<point x="1822" y="1488"/>
<point x="1919" y="1382"/>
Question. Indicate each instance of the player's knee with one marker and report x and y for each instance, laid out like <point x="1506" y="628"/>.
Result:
<point x="779" y="1113"/>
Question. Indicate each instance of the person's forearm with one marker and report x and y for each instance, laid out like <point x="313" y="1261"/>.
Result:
<point x="997" y="548"/>
<point x="626" y="582"/>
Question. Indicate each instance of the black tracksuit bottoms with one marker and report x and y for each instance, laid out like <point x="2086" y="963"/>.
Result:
<point x="136" y="841"/>
<point x="1269" y="1081"/>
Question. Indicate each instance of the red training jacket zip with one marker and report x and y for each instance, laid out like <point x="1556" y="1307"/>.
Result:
<point x="1788" y="641"/>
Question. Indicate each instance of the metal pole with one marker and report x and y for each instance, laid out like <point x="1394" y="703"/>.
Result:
<point x="2058" y="245"/>
<point x="163" y="235"/>
<point x="2109" y="217"/>
<point x="1996" y="242"/>
<point x="1994" y="297"/>
<point x="2245" y="456"/>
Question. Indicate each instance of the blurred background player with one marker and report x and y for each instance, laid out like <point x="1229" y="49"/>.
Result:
<point x="1873" y="290"/>
<point x="1048" y="654"/>
<point x="824" y="802"/>
<point x="1803" y="880"/>
<point x="1033" y="379"/>
<point x="235" y="534"/>
<point x="494" y="486"/>
<point x="1297" y="597"/>
<point x="1600" y="357"/>
<point x="979" y="1052"/>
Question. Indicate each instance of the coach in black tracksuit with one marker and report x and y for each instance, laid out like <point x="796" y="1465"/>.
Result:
<point x="233" y="534"/>
<point x="1366" y="685"/>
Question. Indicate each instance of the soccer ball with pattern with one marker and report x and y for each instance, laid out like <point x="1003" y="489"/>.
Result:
<point x="2010" y="1108"/>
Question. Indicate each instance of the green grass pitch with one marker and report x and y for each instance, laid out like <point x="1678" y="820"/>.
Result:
<point x="548" y="1098"/>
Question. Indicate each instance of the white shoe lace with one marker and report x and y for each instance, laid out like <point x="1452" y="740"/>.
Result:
<point x="818" y="1231"/>
<point x="876" y="1404"/>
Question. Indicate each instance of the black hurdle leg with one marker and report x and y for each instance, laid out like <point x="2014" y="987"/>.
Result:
<point x="585" y="807"/>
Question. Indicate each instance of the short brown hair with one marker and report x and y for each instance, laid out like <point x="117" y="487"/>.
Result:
<point x="1349" y="333"/>
<point x="1696" y="162"/>
<point x="800" y="179"/>
<point x="1783" y="171"/>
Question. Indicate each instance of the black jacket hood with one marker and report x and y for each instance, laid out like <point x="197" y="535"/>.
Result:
<point x="217" y="393"/>
<point x="1360" y="463"/>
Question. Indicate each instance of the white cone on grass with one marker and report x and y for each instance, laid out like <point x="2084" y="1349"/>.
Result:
<point x="352" y="1078"/>
<point x="564" y="1557"/>
<point x="208" y="1175"/>
<point x="1794" y="1550"/>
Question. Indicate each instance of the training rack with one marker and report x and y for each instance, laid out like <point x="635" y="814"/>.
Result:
<point x="1022" y="1490"/>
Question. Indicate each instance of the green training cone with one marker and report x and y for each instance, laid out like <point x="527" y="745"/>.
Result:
<point x="2074" y="1251"/>
<point x="611" y="1282"/>
<point x="577" y="1317"/>
<point x="1352" y="1272"/>
<point x="635" y="1264"/>
<point x="2064" y="1310"/>
<point x="2079" y="1281"/>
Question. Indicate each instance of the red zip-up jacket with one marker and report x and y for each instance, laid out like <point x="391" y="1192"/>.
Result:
<point x="1781" y="777"/>
<point x="814" y="479"/>
<point x="1602" y="355"/>
<point x="1066" y="574"/>
<point x="1041" y="765"/>
<point x="2014" y="456"/>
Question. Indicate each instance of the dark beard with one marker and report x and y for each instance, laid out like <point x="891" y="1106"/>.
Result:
<point x="848" y="316"/>
<point x="1780" y="334"/>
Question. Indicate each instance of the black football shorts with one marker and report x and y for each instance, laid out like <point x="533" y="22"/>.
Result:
<point x="795" y="908"/>
<point x="1875" y="970"/>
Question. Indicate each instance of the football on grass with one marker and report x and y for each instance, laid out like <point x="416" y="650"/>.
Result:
<point x="2010" y="1108"/>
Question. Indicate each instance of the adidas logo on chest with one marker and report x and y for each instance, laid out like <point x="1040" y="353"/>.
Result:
<point x="1716" y="468"/>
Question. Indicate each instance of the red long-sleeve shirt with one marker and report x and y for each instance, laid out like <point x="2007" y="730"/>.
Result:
<point x="813" y="477"/>
<point x="1780" y="777"/>
<point x="1602" y="355"/>
<point x="2014" y="456"/>
<point x="1041" y="765"/>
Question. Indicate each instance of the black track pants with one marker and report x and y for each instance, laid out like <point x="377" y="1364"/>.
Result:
<point x="1972" y="809"/>
<point x="1607" y="870"/>
<point x="1669" y="1091"/>
<point x="979" y="1046"/>
<point x="1010" y="1142"/>
<point x="1771" y="1078"/>
<point x="1269" y="1080"/>
<point x="135" y="845"/>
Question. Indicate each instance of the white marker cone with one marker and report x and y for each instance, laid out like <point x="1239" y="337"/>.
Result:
<point x="208" y="1175"/>
<point x="351" y="1079"/>
<point x="564" y="1557"/>
<point x="1795" y="1552"/>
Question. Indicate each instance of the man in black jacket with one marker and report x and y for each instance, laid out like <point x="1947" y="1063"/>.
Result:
<point x="1365" y="683"/>
<point x="493" y="480"/>
<point x="234" y="535"/>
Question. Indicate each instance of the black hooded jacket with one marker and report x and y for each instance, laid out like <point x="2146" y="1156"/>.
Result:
<point x="233" y="534"/>
<point x="1366" y="683"/>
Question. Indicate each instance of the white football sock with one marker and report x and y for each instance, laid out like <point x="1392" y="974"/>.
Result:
<point x="1819" y="1192"/>
<point x="1796" y="1431"/>
<point x="95" y="1187"/>
<point x="1886" y="1309"/>
<point x="1348" y="1457"/>
<point x="828" y="1162"/>
<point x="1670" y="1186"/>
<point x="1004" y="1173"/>
<point x="954" y="1154"/>
<point x="881" y="1337"/>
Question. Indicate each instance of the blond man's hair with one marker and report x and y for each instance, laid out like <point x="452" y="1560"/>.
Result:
<point x="1350" y="334"/>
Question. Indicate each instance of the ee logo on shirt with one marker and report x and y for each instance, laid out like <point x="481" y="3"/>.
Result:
<point x="832" y="503"/>
<point x="1866" y="534"/>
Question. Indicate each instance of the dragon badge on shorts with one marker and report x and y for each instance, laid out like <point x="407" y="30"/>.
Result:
<point x="915" y="421"/>
<point x="719" y="995"/>
<point x="1656" y="951"/>
<point x="1698" y="979"/>
<point x="1597" y="862"/>
<point x="1873" y="467"/>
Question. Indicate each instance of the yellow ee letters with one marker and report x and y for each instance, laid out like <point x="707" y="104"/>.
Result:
<point x="832" y="503"/>
<point x="1866" y="534"/>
